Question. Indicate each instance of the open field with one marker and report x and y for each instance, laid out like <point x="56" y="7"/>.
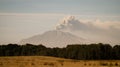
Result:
<point x="43" y="61"/>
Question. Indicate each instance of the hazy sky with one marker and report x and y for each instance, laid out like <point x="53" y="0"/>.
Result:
<point x="20" y="19"/>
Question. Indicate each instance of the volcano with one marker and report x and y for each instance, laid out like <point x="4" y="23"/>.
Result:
<point x="54" y="38"/>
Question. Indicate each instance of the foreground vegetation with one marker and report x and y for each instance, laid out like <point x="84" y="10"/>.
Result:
<point x="77" y="51"/>
<point x="44" y="61"/>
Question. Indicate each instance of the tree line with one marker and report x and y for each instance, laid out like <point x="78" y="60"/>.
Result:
<point x="98" y="51"/>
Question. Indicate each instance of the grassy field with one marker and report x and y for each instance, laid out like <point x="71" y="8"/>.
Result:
<point x="43" y="61"/>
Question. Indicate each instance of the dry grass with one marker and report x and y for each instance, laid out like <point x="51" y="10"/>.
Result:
<point x="43" y="61"/>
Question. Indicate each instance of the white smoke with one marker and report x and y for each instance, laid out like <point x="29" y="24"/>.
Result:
<point x="70" y="23"/>
<point x="99" y="31"/>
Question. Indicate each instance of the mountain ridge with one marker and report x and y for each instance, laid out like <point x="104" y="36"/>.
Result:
<point x="54" y="38"/>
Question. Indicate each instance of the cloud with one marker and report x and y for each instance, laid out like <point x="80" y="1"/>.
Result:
<point x="70" y="23"/>
<point x="98" y="30"/>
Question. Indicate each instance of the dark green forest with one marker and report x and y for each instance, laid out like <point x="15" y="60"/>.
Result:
<point x="98" y="51"/>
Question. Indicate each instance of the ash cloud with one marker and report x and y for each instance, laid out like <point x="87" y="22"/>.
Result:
<point x="98" y="31"/>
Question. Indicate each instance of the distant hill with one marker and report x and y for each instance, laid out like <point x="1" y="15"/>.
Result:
<point x="54" y="38"/>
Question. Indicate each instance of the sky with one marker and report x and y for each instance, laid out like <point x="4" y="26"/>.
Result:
<point x="21" y="19"/>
